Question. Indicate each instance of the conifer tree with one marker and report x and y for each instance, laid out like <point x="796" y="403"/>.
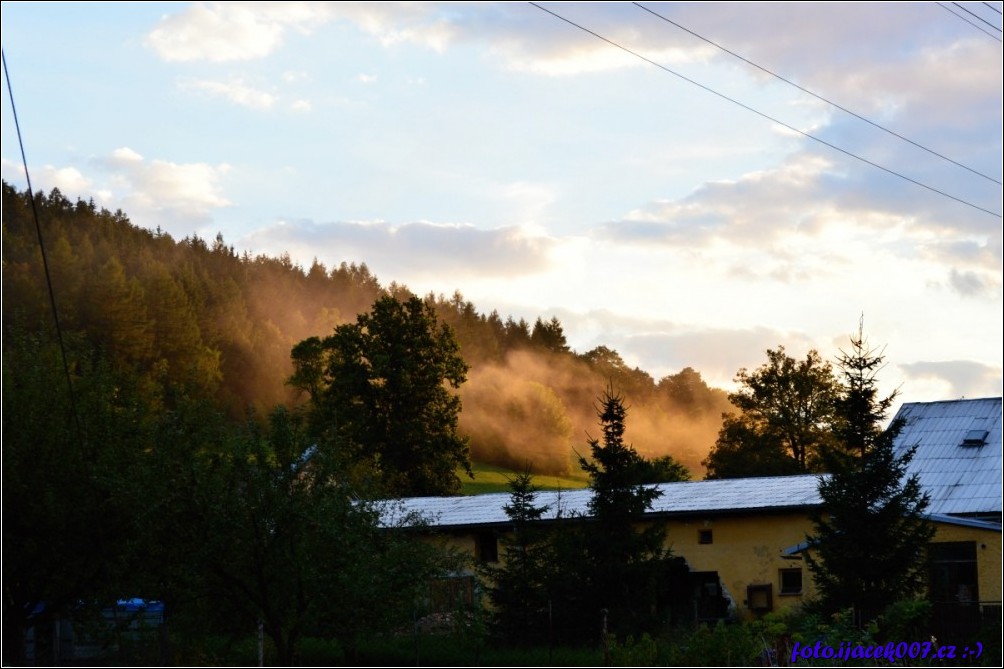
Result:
<point x="869" y="537"/>
<point x="518" y="585"/>
<point x="623" y="565"/>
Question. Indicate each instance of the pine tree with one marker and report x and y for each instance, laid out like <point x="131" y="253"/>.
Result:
<point x="518" y="586"/>
<point x="623" y="565"/>
<point x="867" y="547"/>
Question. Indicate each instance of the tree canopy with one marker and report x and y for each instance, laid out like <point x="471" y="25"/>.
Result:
<point x="380" y="396"/>
<point x="785" y="407"/>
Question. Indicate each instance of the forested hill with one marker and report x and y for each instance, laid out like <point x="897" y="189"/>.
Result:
<point x="199" y="318"/>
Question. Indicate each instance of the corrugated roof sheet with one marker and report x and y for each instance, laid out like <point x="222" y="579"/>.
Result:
<point x="748" y="494"/>
<point x="960" y="479"/>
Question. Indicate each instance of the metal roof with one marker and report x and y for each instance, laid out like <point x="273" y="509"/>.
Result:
<point x="961" y="479"/>
<point x="691" y="497"/>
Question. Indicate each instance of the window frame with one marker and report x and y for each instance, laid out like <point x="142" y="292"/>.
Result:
<point x="786" y="592"/>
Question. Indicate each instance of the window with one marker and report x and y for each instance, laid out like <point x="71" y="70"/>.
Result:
<point x="760" y="598"/>
<point x="486" y="547"/>
<point x="704" y="536"/>
<point x="975" y="438"/>
<point x="953" y="572"/>
<point x="791" y="581"/>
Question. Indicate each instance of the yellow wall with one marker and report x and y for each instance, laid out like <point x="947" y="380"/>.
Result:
<point x="988" y="555"/>
<point x="745" y="550"/>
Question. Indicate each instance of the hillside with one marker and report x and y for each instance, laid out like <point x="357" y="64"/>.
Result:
<point x="203" y="319"/>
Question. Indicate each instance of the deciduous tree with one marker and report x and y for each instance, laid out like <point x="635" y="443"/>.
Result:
<point x="380" y="390"/>
<point x="785" y="405"/>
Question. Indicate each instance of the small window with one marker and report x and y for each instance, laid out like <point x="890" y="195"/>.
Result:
<point x="975" y="438"/>
<point x="760" y="598"/>
<point x="704" y="537"/>
<point x="791" y="581"/>
<point x="486" y="547"/>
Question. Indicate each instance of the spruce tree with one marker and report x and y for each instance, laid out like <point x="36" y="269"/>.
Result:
<point x="870" y="534"/>
<point x="518" y="585"/>
<point x="623" y="565"/>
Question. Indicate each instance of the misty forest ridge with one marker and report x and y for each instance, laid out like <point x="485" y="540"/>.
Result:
<point x="221" y="324"/>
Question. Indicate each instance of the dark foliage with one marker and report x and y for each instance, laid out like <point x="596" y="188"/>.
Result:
<point x="786" y="413"/>
<point x="380" y="398"/>
<point x="870" y="534"/>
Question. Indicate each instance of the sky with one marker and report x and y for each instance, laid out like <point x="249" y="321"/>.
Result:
<point x="641" y="171"/>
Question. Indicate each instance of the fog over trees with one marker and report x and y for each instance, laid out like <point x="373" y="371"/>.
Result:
<point x="202" y="318"/>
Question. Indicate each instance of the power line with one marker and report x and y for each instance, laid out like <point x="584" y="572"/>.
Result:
<point x="992" y="7"/>
<point x="41" y="246"/>
<point x="977" y="16"/>
<point x="766" y="116"/>
<point x="817" y="96"/>
<point x="954" y="13"/>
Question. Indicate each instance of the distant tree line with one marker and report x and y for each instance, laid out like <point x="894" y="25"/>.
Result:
<point x="153" y="447"/>
<point x="213" y="430"/>
<point x="204" y="320"/>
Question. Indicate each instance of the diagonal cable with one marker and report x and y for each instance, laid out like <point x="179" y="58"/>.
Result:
<point x="971" y="13"/>
<point x="817" y="96"/>
<point x="767" y="116"/>
<point x="955" y="13"/>
<point x="41" y="246"/>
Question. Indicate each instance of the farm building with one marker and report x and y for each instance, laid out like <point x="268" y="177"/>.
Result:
<point x="742" y="539"/>
<point x="958" y="460"/>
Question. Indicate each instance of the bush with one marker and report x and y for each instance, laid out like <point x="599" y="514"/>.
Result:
<point x="721" y="645"/>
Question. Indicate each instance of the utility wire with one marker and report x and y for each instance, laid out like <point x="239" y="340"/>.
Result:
<point x="953" y="12"/>
<point x="977" y="16"/>
<point x="766" y="116"/>
<point x="817" y="96"/>
<point x="992" y="7"/>
<point x="45" y="262"/>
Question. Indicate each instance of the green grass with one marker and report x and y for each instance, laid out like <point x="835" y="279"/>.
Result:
<point x="488" y="478"/>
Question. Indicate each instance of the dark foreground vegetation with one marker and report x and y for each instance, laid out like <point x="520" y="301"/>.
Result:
<point x="214" y="434"/>
<point x="769" y="641"/>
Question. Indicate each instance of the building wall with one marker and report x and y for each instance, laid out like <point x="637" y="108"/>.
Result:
<point x="745" y="550"/>
<point x="988" y="555"/>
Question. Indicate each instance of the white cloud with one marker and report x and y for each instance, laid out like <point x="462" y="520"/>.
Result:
<point x="810" y="212"/>
<point x="232" y="31"/>
<point x="292" y="77"/>
<point x="178" y="197"/>
<point x="126" y="155"/>
<point x="718" y="353"/>
<point x="366" y="78"/>
<point x="961" y="378"/>
<point x="235" y="91"/>
<point x="159" y="192"/>
<point x="69" y="180"/>
<point x="410" y="251"/>
<point x="301" y="106"/>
